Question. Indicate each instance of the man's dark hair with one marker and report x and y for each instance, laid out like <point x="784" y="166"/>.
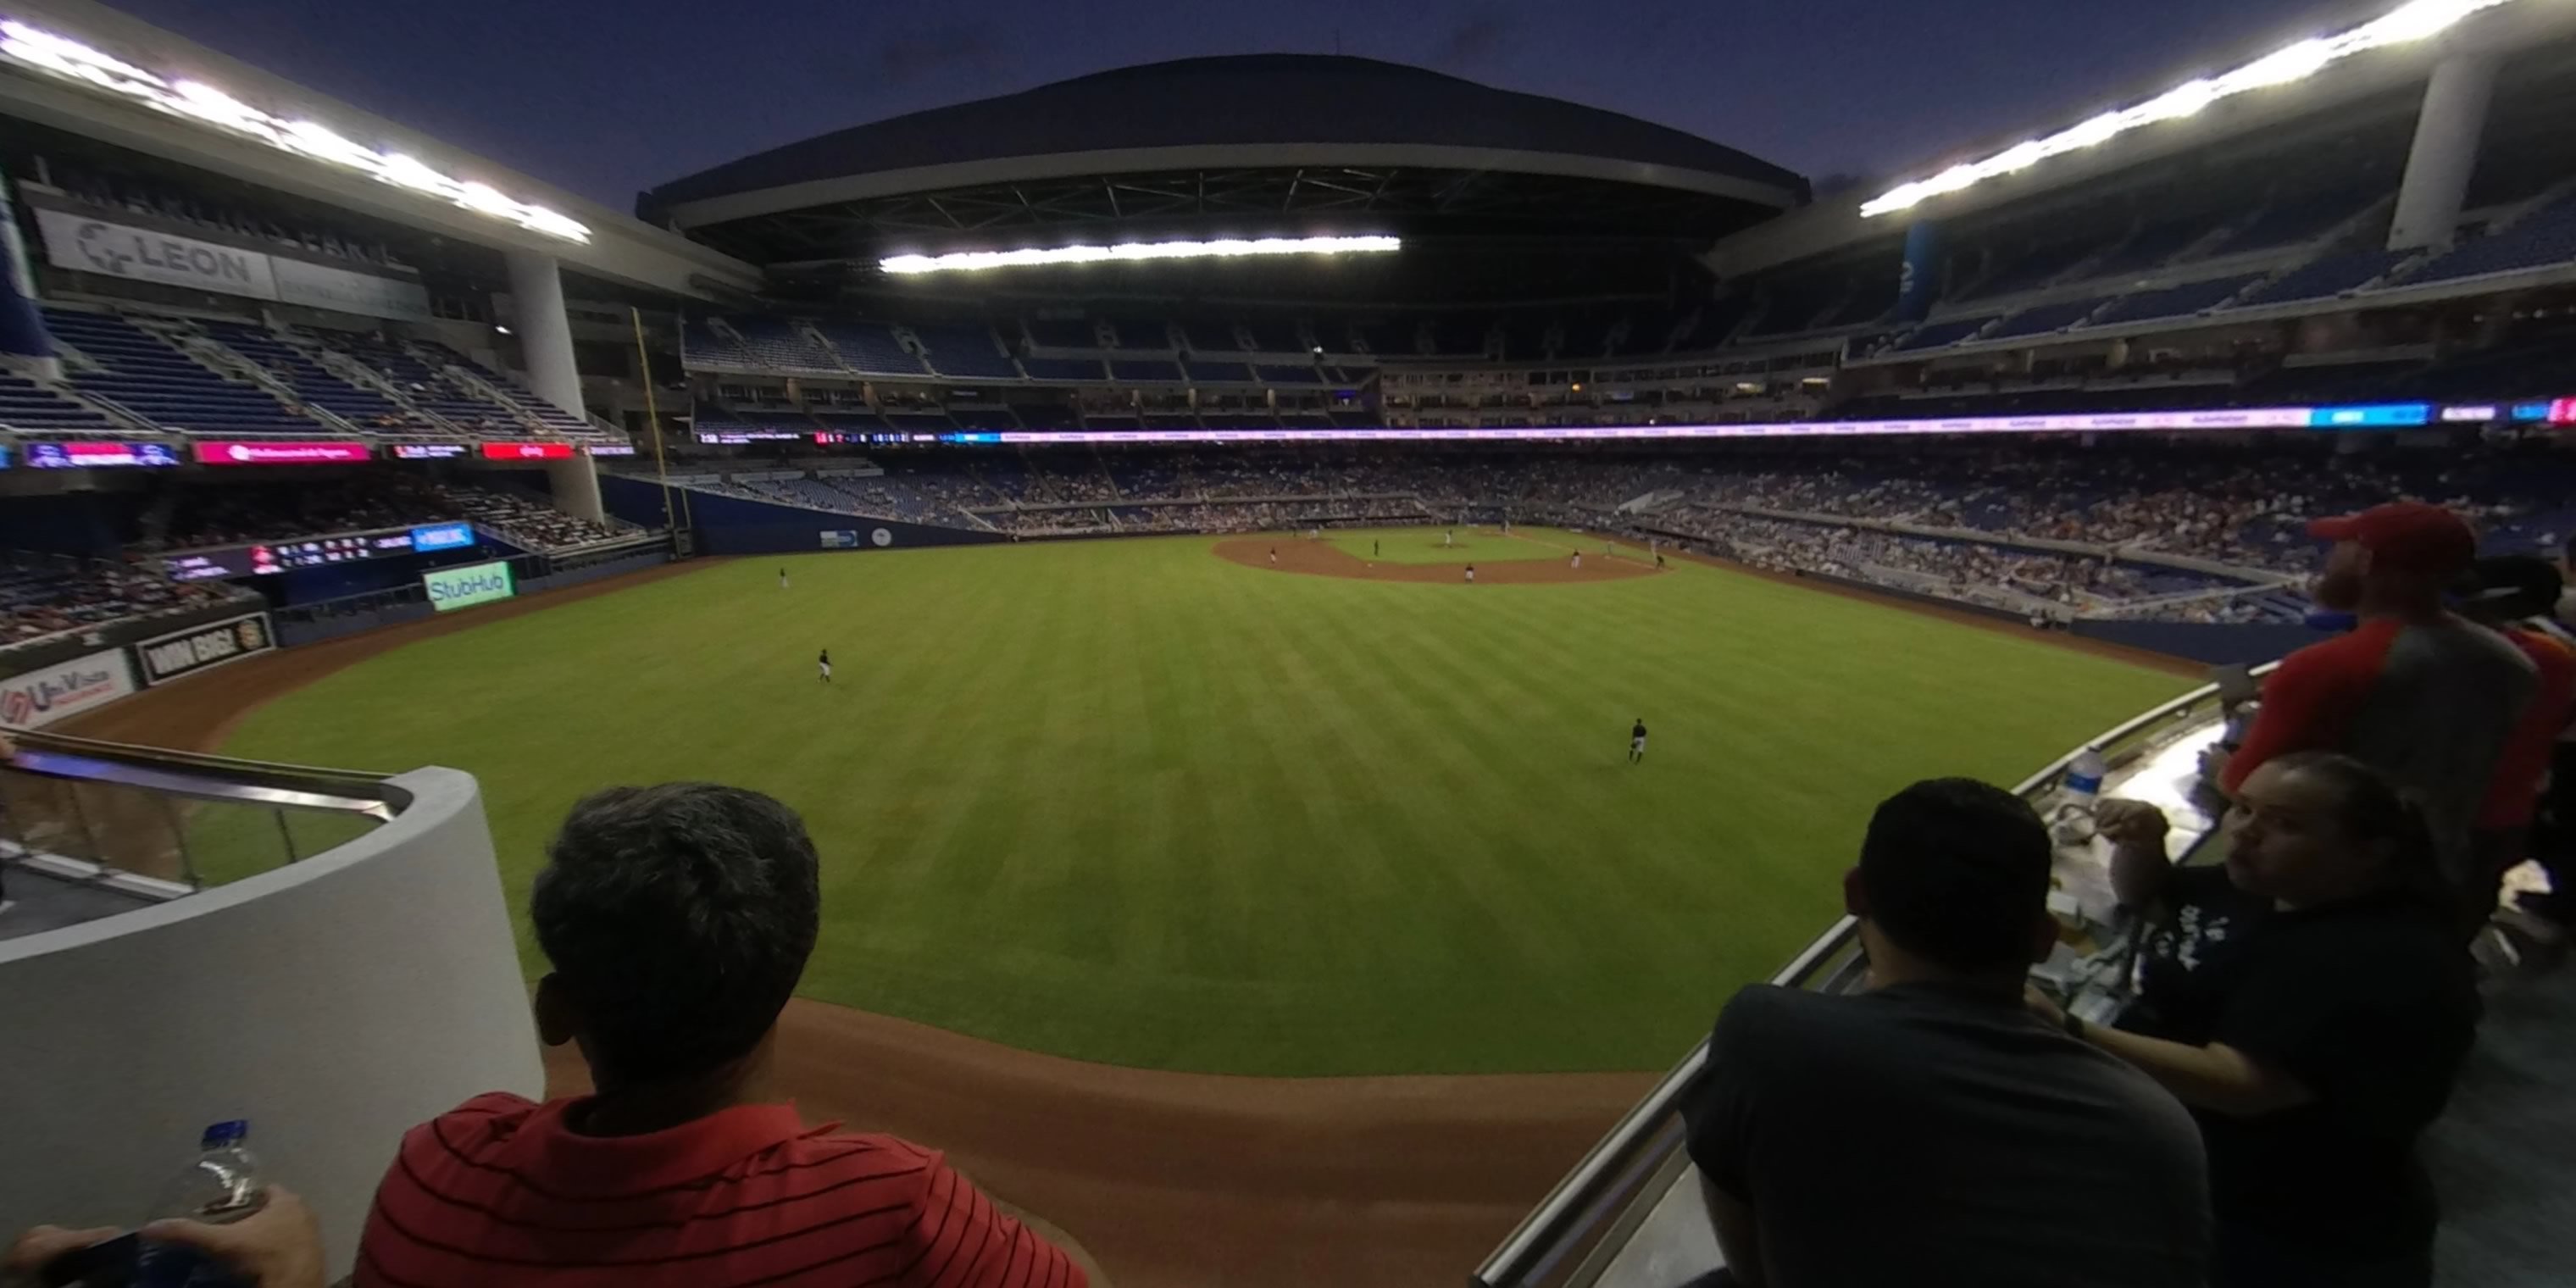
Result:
<point x="678" y="919"/>
<point x="1956" y="871"/>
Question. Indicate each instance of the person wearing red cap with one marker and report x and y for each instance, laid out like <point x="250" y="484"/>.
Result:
<point x="2415" y="691"/>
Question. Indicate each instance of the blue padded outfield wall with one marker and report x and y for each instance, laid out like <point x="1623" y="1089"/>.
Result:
<point x="732" y="525"/>
<point x="2216" y="643"/>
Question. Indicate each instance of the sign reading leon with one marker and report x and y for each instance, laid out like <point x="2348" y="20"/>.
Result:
<point x="464" y="587"/>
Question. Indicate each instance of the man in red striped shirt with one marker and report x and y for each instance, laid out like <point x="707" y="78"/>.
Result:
<point x="677" y="919"/>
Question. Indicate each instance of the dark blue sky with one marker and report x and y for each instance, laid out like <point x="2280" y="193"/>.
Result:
<point x="607" y="98"/>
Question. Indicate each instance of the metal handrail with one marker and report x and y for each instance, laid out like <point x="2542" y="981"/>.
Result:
<point x="199" y="776"/>
<point x="1535" y="1243"/>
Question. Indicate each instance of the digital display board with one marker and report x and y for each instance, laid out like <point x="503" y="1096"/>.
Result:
<point x="428" y="451"/>
<point x="94" y="456"/>
<point x="283" y="452"/>
<point x="527" y="451"/>
<point x="611" y="449"/>
<point x="287" y="556"/>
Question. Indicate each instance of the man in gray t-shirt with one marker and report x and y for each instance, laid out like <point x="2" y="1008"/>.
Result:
<point x="1933" y="1131"/>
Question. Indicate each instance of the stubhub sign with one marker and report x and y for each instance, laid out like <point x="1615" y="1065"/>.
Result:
<point x="464" y="587"/>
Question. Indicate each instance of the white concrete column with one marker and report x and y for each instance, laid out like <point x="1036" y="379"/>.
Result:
<point x="2447" y="133"/>
<point x="545" y="336"/>
<point x="575" y="483"/>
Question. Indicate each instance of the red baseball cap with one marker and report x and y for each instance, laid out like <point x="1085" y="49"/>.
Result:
<point x="2406" y="535"/>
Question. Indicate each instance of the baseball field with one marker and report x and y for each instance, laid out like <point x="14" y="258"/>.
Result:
<point x="1163" y="803"/>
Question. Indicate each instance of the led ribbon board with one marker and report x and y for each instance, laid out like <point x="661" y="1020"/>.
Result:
<point x="1229" y="248"/>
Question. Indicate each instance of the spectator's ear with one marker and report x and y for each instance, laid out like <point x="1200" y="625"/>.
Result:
<point x="2043" y="937"/>
<point x="1855" y="895"/>
<point x="556" y="1019"/>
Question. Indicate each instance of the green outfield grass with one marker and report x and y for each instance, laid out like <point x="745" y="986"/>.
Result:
<point x="1422" y="545"/>
<point x="1129" y="802"/>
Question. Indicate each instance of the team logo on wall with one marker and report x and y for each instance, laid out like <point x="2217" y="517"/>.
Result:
<point x="882" y="537"/>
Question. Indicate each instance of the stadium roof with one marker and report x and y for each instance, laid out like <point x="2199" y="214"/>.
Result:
<point x="2287" y="116"/>
<point x="1260" y="112"/>
<point x="444" y="192"/>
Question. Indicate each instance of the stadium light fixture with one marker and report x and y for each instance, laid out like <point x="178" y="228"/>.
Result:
<point x="207" y="105"/>
<point x="1223" y="248"/>
<point x="2409" y="22"/>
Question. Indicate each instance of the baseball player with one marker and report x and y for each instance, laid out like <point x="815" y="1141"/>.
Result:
<point x="1471" y="574"/>
<point x="1637" y="741"/>
<point x="824" y="660"/>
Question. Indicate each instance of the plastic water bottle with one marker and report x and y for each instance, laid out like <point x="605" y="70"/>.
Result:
<point x="2072" y="823"/>
<point x="2083" y="782"/>
<point x="220" y="1185"/>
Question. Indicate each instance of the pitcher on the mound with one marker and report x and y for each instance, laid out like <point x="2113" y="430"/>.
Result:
<point x="1637" y="741"/>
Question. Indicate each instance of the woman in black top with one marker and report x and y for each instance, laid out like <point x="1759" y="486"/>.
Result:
<point x="2309" y="1004"/>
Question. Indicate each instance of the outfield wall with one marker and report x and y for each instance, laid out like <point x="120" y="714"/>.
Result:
<point x="2217" y="643"/>
<point x="733" y="525"/>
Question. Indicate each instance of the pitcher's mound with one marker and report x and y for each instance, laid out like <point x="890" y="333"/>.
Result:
<point x="1323" y="559"/>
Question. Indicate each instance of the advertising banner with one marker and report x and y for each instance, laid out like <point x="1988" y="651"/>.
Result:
<point x="612" y="449"/>
<point x="527" y="451"/>
<point x="202" y="647"/>
<point x="86" y="245"/>
<point x="840" y="540"/>
<point x="283" y="452"/>
<point x="465" y="587"/>
<point x="43" y="696"/>
<point x="320" y="286"/>
<point x="90" y="456"/>
<point x="428" y="451"/>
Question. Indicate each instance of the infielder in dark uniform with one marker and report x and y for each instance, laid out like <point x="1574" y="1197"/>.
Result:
<point x="1637" y="741"/>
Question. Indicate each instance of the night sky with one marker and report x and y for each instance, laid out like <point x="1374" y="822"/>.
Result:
<point x="608" y="98"/>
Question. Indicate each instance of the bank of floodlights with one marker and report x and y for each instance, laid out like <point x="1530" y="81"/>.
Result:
<point x="1224" y="248"/>
<point x="208" y="106"/>
<point x="2413" y="21"/>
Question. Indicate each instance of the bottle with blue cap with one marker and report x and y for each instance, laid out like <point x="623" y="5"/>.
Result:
<point x="2078" y="790"/>
<point x="220" y="1186"/>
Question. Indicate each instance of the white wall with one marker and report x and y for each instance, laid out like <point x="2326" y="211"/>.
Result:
<point x="334" y="1003"/>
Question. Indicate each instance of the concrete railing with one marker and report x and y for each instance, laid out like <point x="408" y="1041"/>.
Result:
<point x="333" y="1002"/>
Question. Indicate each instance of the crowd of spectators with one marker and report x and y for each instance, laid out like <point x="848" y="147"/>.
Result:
<point x="526" y="521"/>
<point x="2238" y="506"/>
<point x="2132" y="505"/>
<point x="244" y="513"/>
<point x="235" y="514"/>
<point x="48" y="595"/>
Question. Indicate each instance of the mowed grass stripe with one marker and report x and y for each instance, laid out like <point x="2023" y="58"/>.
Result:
<point x="1128" y="802"/>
